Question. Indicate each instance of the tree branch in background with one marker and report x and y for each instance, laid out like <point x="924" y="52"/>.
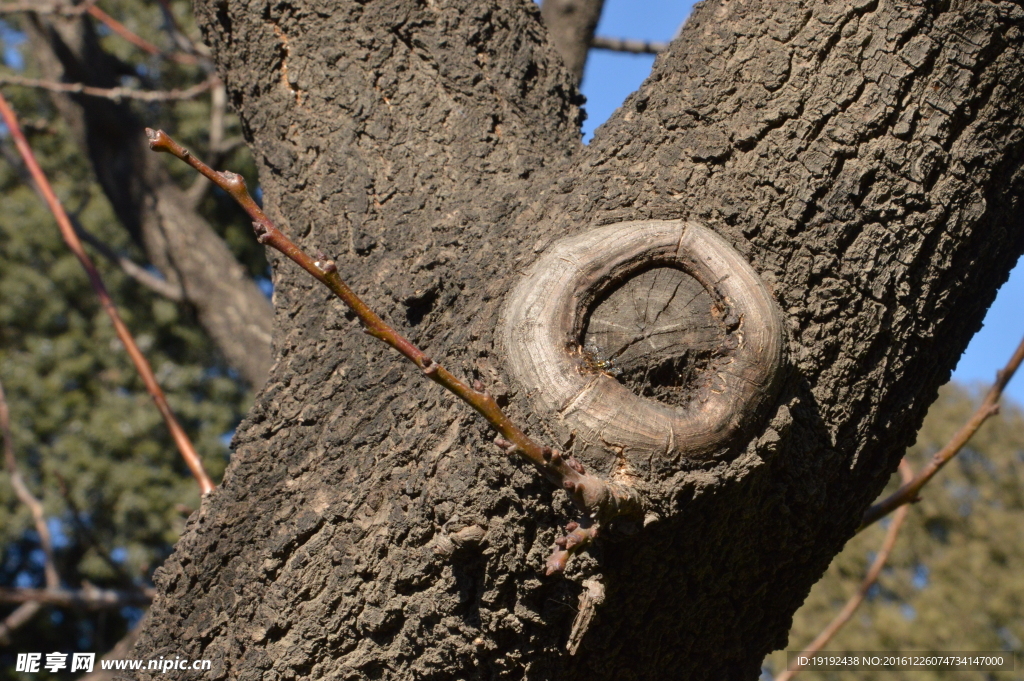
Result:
<point x="116" y="93"/>
<point x="144" y="45"/>
<point x="907" y="473"/>
<point x="218" y="109"/>
<point x="28" y="609"/>
<point x="177" y="240"/>
<point x="141" y="364"/>
<point x="623" y="45"/>
<point x="571" y="25"/>
<point x="89" y="597"/>
<point x="599" y="500"/>
<point x="140" y="274"/>
<point x="167" y="289"/>
<point x="907" y="493"/>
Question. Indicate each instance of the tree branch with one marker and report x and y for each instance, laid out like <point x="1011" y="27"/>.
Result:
<point x="117" y="93"/>
<point x="907" y="473"/>
<point x="185" y="447"/>
<point x="599" y="500"/>
<point x="989" y="407"/>
<point x="148" y="202"/>
<point x="88" y="597"/>
<point x="218" y="108"/>
<point x="143" y="44"/>
<point x="22" y="614"/>
<point x="167" y="289"/>
<point x="624" y="45"/>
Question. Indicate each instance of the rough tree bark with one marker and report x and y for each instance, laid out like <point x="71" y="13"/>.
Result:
<point x="159" y="215"/>
<point x="865" y="157"/>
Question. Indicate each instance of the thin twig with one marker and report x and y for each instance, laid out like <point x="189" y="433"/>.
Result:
<point x="114" y="93"/>
<point x="25" y="613"/>
<point x="989" y="407"/>
<point x="88" y="597"/>
<point x="188" y="452"/>
<point x="631" y="46"/>
<point x="141" y="43"/>
<point x="907" y="474"/>
<point x="598" y="499"/>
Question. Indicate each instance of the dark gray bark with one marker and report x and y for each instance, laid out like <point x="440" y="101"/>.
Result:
<point x="160" y="216"/>
<point x="866" y="157"/>
<point x="571" y="25"/>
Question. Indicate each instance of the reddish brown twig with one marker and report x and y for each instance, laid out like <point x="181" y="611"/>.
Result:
<point x="188" y="452"/>
<point x="599" y="500"/>
<point x="989" y="407"/>
<point x="143" y="44"/>
<point x="27" y="610"/>
<point x="114" y="93"/>
<point x="907" y="474"/>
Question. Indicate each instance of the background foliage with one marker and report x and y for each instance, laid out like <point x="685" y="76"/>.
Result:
<point x="89" y="441"/>
<point x="955" y="580"/>
<point x="92" y="446"/>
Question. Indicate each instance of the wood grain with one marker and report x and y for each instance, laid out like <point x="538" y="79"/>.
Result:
<point x="678" y="310"/>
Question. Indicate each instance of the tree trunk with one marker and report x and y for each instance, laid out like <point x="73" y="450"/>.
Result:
<point x="865" y="158"/>
<point x="177" y="239"/>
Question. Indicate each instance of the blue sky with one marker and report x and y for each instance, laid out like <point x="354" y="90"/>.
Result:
<point x="611" y="77"/>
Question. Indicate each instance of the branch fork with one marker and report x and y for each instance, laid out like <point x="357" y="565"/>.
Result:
<point x="599" y="501"/>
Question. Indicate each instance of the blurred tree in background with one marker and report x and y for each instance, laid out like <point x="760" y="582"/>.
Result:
<point x="88" y="439"/>
<point x="116" y="493"/>
<point x="955" y="581"/>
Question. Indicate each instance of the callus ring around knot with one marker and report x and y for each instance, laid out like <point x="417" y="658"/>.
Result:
<point x="545" y="320"/>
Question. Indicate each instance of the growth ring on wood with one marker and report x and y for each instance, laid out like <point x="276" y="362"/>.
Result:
<point x="547" y="328"/>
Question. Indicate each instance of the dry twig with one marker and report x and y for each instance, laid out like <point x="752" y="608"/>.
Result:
<point x="71" y="238"/>
<point x="907" y="493"/>
<point x="141" y="43"/>
<point x="90" y="597"/>
<point x="599" y="500"/>
<point x="907" y="473"/>
<point x="631" y="46"/>
<point x="114" y="93"/>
